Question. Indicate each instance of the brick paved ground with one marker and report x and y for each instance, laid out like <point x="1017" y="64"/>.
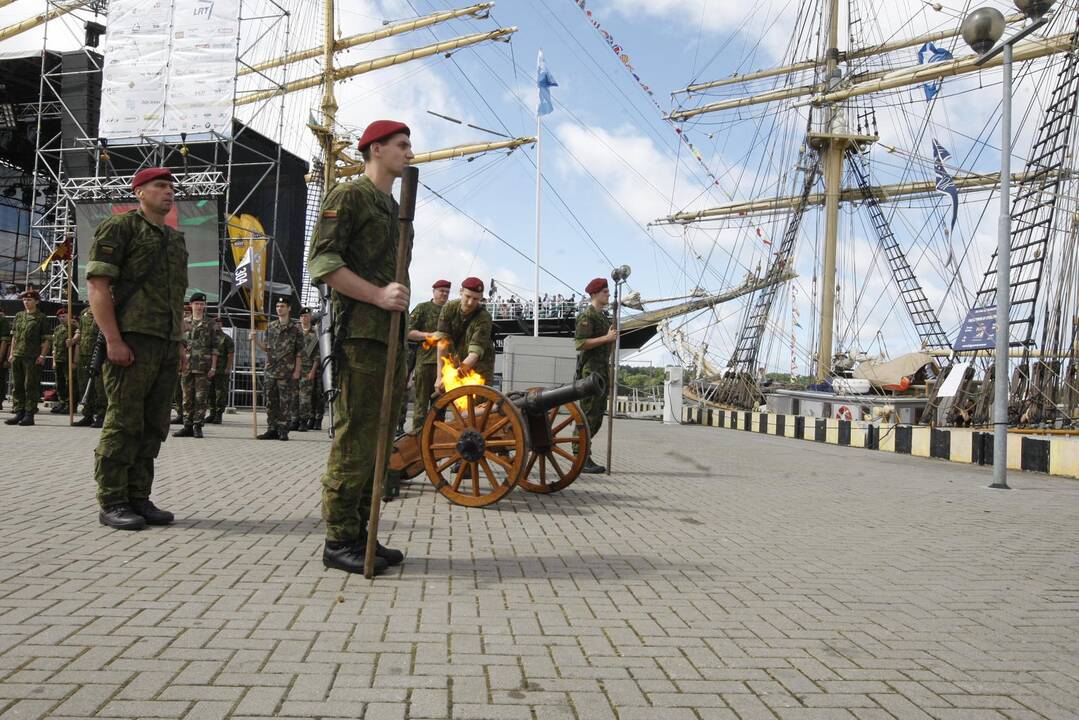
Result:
<point x="717" y="574"/>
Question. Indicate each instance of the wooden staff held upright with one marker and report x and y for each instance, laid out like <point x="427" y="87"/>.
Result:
<point x="406" y="213"/>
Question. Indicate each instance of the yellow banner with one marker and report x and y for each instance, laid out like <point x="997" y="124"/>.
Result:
<point x="248" y="236"/>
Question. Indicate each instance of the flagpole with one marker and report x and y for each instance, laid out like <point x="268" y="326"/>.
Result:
<point x="539" y="177"/>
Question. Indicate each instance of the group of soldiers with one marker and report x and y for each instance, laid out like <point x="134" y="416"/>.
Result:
<point x="207" y="352"/>
<point x="137" y="279"/>
<point x="26" y="343"/>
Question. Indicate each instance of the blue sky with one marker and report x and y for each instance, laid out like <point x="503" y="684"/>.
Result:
<point x="611" y="164"/>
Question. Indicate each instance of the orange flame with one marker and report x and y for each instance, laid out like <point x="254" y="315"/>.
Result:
<point x="452" y="377"/>
<point x="431" y="340"/>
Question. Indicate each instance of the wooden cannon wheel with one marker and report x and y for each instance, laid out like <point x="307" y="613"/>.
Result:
<point x="477" y="454"/>
<point x="555" y="468"/>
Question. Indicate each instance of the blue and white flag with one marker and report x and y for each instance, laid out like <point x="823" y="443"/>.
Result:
<point x="545" y="81"/>
<point x="930" y="53"/>
<point x="945" y="182"/>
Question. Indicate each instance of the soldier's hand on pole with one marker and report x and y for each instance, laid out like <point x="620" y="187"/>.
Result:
<point x="611" y="335"/>
<point x="119" y="353"/>
<point x="210" y="374"/>
<point x="394" y="297"/>
<point x="40" y="360"/>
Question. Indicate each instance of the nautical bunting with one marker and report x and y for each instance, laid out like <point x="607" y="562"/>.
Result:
<point x="930" y="53"/>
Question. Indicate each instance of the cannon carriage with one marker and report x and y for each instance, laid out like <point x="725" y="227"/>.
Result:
<point x="477" y="443"/>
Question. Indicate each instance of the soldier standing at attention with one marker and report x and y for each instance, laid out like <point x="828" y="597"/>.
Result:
<point x="200" y="366"/>
<point x="60" y="344"/>
<point x="354" y="251"/>
<point x="137" y="278"/>
<point x="310" y="374"/>
<point x="93" y="410"/>
<point x="283" y="345"/>
<point x="219" y="389"/>
<point x="468" y="327"/>
<point x="423" y="322"/>
<point x="594" y="339"/>
<point x="5" y="341"/>
<point x="29" y="347"/>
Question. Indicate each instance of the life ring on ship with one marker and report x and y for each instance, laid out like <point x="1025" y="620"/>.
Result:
<point x="844" y="413"/>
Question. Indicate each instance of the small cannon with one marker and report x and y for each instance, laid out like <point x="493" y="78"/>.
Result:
<point x="476" y="444"/>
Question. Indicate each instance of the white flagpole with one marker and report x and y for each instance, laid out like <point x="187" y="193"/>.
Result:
<point x="539" y="177"/>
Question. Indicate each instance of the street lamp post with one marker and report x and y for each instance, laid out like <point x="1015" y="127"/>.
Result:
<point x="983" y="30"/>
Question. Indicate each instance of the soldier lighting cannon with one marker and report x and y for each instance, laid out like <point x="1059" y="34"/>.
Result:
<point x="476" y="444"/>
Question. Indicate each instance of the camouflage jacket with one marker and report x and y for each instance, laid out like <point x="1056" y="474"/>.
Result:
<point x="425" y="319"/>
<point x="28" y="333"/>
<point x="358" y="230"/>
<point x="225" y="346"/>
<point x="87" y="333"/>
<point x="59" y="344"/>
<point x="592" y="323"/>
<point x="470" y="334"/>
<point x="310" y="353"/>
<point x="123" y="250"/>
<point x="283" y="344"/>
<point x="201" y="346"/>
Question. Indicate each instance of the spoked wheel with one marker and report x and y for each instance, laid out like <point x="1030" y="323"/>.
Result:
<point x="555" y="468"/>
<point x="477" y="454"/>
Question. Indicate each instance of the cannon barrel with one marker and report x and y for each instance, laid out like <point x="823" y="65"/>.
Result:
<point x="535" y="402"/>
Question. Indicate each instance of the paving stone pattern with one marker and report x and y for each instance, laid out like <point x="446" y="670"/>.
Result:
<point x="716" y="575"/>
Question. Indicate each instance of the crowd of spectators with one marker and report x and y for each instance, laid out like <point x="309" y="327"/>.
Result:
<point x="551" y="306"/>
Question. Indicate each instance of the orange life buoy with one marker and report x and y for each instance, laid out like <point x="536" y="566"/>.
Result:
<point x="844" y="413"/>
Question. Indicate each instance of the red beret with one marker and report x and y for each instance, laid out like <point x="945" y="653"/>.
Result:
<point x="441" y="284"/>
<point x="596" y="285"/>
<point x="472" y="283"/>
<point x="380" y="130"/>
<point x="27" y="294"/>
<point x="147" y="174"/>
<point x="61" y="311"/>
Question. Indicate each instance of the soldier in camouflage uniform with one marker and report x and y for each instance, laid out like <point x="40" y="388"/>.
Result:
<point x="310" y="393"/>
<point x="354" y="251"/>
<point x="199" y="367"/>
<point x="284" y="342"/>
<point x="60" y="345"/>
<point x="219" y="390"/>
<point x="29" y="347"/>
<point x="93" y="410"/>
<point x="468" y="328"/>
<point x="5" y="341"/>
<point x="422" y="323"/>
<point x="138" y="263"/>
<point x="594" y="339"/>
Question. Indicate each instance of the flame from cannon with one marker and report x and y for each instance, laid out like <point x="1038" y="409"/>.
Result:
<point x="452" y="377"/>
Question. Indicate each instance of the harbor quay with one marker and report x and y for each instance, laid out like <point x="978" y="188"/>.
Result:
<point x="713" y="575"/>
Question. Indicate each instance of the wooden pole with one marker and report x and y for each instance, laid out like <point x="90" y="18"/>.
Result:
<point x="70" y="373"/>
<point x="254" y="373"/>
<point x="407" y="211"/>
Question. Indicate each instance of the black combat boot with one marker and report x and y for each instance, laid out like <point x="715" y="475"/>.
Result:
<point x="318" y="423"/>
<point x="27" y="419"/>
<point x="391" y="556"/>
<point x="177" y="419"/>
<point x="294" y="425"/>
<point x="99" y="421"/>
<point x="85" y="421"/>
<point x="282" y="434"/>
<point x="196" y="431"/>
<point x="152" y="514"/>
<point x="301" y="425"/>
<point x="310" y="423"/>
<point x="15" y="419"/>
<point x="58" y="409"/>
<point x="591" y="467"/>
<point x="185" y="431"/>
<point x="349" y="557"/>
<point x="270" y="434"/>
<point x="121" y="517"/>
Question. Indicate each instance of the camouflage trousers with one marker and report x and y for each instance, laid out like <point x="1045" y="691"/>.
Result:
<point x="219" y="392"/>
<point x="95" y="401"/>
<point x="25" y="384"/>
<point x="278" y="393"/>
<point x="196" y="392"/>
<point x="137" y="419"/>
<point x="594" y="408"/>
<point x="346" y="486"/>
<point x="178" y="396"/>
<point x="423" y="384"/>
<point x="60" y="371"/>
<point x="309" y="402"/>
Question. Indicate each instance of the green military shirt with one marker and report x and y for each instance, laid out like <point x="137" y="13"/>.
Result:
<point x="123" y="251"/>
<point x="27" y="334"/>
<point x="225" y="346"/>
<point x="59" y="344"/>
<point x="309" y="353"/>
<point x="87" y="333"/>
<point x="358" y="230"/>
<point x="592" y="323"/>
<point x="201" y="346"/>
<point x="470" y="334"/>
<point x="283" y="344"/>
<point x="424" y="318"/>
<point x="5" y="328"/>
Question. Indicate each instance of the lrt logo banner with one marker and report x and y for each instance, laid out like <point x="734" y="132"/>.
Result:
<point x="204" y="9"/>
